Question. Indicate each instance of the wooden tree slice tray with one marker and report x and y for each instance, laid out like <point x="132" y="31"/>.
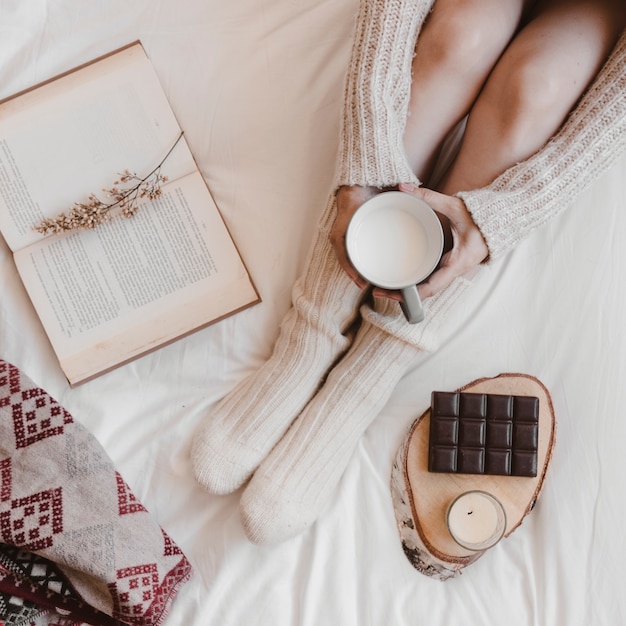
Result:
<point x="421" y="498"/>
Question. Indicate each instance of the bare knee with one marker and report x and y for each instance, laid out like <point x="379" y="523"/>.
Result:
<point x="513" y="117"/>
<point x="546" y="69"/>
<point x="528" y="102"/>
<point x="462" y="37"/>
<point x="530" y="90"/>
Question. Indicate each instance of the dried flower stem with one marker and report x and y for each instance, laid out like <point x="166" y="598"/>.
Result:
<point x="95" y="212"/>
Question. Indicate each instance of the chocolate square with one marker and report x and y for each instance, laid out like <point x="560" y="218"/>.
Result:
<point x="446" y="404"/>
<point x="498" y="462"/>
<point x="446" y="431"/>
<point x="526" y="436"/>
<point x="499" y="407"/>
<point x="472" y="432"/>
<point x="524" y="463"/>
<point x="442" y="457"/>
<point x="472" y="405"/>
<point x="471" y="461"/>
<point x="526" y="409"/>
<point x="477" y="433"/>
<point x="500" y="434"/>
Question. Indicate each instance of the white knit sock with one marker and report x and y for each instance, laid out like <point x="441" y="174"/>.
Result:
<point x="241" y="430"/>
<point x="297" y="480"/>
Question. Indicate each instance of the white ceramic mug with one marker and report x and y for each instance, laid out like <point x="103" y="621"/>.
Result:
<point x="395" y="241"/>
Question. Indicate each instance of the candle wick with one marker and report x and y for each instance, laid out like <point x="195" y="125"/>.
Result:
<point x="470" y="512"/>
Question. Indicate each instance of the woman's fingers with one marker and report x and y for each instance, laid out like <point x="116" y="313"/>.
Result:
<point x="349" y="199"/>
<point x="467" y="248"/>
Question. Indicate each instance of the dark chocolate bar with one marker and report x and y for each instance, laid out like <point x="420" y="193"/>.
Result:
<point x="483" y="433"/>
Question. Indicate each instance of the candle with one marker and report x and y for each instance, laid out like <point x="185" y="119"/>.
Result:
<point x="476" y="520"/>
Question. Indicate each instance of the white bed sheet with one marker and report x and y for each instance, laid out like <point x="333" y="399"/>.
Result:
<point x="257" y="88"/>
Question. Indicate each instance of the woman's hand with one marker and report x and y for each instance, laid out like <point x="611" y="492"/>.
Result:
<point x="468" y="251"/>
<point x="349" y="199"/>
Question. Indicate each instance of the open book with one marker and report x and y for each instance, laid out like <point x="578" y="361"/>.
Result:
<point x="110" y="294"/>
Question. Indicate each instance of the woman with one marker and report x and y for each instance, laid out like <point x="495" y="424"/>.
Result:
<point x="543" y="86"/>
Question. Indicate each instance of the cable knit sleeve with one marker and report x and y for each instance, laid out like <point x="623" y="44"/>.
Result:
<point x="530" y="193"/>
<point x="377" y="92"/>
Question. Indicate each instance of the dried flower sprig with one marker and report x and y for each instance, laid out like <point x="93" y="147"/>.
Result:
<point x="94" y="211"/>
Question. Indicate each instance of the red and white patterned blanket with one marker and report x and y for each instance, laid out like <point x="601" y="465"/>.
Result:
<point x="76" y="546"/>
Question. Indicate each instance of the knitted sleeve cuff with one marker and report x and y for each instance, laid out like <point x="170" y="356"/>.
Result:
<point x="377" y="92"/>
<point x="530" y="193"/>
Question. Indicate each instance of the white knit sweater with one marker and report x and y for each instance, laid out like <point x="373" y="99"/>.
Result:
<point x="371" y="151"/>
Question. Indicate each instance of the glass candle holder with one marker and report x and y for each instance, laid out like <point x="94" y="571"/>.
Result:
<point x="476" y="520"/>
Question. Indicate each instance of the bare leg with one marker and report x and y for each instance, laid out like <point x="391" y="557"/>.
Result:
<point x="457" y="48"/>
<point x="534" y="86"/>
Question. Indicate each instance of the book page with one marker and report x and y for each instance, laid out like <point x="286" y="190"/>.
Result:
<point x="71" y="137"/>
<point x="134" y="283"/>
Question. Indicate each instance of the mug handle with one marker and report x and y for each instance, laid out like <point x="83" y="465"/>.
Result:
<point x="411" y="305"/>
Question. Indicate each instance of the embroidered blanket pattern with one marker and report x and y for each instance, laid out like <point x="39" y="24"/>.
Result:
<point x="76" y="546"/>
